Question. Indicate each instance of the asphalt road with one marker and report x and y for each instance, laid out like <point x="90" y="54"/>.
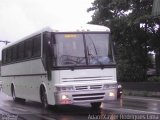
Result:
<point x="129" y="108"/>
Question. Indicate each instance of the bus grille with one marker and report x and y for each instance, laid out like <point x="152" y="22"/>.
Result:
<point x="87" y="79"/>
<point x="91" y="96"/>
<point x="90" y="87"/>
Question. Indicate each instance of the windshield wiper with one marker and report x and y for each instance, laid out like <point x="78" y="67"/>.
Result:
<point x="95" y="51"/>
<point x="71" y="61"/>
<point x="94" y="57"/>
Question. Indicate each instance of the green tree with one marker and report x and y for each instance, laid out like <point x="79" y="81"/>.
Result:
<point x="154" y="28"/>
<point x="128" y="20"/>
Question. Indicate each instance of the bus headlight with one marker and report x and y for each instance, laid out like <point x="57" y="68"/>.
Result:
<point x="109" y="86"/>
<point x="111" y="94"/>
<point x="64" y="88"/>
<point x="64" y="97"/>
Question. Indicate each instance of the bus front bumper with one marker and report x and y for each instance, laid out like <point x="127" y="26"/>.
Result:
<point x="70" y="97"/>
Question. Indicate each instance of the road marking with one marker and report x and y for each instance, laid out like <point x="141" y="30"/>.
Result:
<point x="145" y="99"/>
<point x="126" y="109"/>
<point x="6" y="105"/>
<point x="48" y="118"/>
<point x="20" y="109"/>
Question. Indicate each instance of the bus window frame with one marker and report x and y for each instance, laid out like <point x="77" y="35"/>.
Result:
<point x="18" y="60"/>
<point x="87" y="66"/>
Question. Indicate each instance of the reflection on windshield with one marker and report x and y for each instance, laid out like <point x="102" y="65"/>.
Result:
<point x="74" y="60"/>
<point x="99" y="60"/>
<point x="98" y="49"/>
<point x="83" y="49"/>
<point x="70" y="49"/>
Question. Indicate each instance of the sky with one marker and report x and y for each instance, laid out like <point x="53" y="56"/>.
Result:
<point x="19" y="18"/>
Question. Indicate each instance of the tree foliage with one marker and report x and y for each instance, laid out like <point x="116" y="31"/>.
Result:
<point x="133" y="32"/>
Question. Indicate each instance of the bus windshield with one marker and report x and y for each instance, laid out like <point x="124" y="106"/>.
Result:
<point x="83" y="49"/>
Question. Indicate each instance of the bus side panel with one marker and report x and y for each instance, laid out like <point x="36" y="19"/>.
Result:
<point x="26" y="77"/>
<point x="6" y="85"/>
<point x="30" y="67"/>
<point x="27" y="87"/>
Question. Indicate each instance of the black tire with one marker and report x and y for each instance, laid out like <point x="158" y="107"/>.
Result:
<point x="95" y="105"/>
<point x="44" y="98"/>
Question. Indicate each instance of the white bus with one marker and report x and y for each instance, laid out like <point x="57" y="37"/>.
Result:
<point x="61" y="67"/>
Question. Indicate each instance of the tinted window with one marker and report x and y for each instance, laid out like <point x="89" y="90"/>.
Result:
<point x="37" y="46"/>
<point x="28" y="48"/>
<point x="20" y="51"/>
<point x="14" y="53"/>
<point x="4" y="56"/>
<point x="8" y="55"/>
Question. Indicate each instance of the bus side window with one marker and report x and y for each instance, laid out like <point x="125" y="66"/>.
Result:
<point x="8" y="56"/>
<point x="36" y="46"/>
<point x="14" y="53"/>
<point x="3" y="56"/>
<point x="28" y="49"/>
<point x="20" y="51"/>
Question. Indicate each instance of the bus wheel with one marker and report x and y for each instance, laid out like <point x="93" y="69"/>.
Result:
<point x="95" y="105"/>
<point x="44" y="98"/>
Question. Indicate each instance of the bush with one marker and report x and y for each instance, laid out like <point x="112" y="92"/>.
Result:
<point x="154" y="79"/>
<point x="131" y="73"/>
